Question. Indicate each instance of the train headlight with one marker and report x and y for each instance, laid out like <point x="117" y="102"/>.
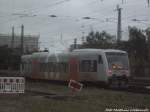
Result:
<point x="114" y="66"/>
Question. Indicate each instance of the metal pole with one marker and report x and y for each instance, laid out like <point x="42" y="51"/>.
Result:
<point x="119" y="32"/>
<point x="75" y="43"/>
<point x="12" y="40"/>
<point x="22" y="39"/>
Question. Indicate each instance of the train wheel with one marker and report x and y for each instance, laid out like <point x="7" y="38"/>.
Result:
<point x="118" y="84"/>
<point x="113" y="83"/>
<point x="124" y="84"/>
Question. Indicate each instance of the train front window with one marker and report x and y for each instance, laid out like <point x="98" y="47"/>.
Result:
<point x="117" y="60"/>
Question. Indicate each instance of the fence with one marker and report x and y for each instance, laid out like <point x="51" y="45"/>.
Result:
<point x="12" y="84"/>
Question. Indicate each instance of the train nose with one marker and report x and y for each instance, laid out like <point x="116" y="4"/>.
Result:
<point x="125" y="72"/>
<point x="119" y="73"/>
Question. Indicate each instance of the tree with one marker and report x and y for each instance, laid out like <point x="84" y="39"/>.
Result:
<point x="137" y="50"/>
<point x="99" y="40"/>
<point x="137" y="41"/>
<point x="10" y="59"/>
<point x="4" y="57"/>
<point x="148" y="41"/>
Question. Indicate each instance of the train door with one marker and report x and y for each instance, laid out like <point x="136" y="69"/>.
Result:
<point x="35" y="68"/>
<point x="73" y="69"/>
<point x="100" y="68"/>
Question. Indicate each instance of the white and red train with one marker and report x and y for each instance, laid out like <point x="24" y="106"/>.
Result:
<point x="95" y="65"/>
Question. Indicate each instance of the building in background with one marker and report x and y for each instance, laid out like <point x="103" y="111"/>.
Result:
<point x="30" y="42"/>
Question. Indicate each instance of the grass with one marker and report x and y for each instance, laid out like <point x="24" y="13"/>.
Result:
<point x="90" y="99"/>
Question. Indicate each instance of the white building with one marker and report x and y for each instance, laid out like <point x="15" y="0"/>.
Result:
<point x="30" y="43"/>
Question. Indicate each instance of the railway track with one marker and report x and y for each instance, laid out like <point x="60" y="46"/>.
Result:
<point x="132" y="88"/>
<point x="35" y="92"/>
<point x="56" y="96"/>
<point x="59" y="96"/>
<point x="135" y="86"/>
<point x="137" y="89"/>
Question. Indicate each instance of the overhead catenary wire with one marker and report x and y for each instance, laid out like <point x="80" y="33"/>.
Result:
<point x="60" y="2"/>
<point x="31" y="12"/>
<point x="67" y="18"/>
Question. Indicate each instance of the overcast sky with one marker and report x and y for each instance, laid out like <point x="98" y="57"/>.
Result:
<point x="69" y="22"/>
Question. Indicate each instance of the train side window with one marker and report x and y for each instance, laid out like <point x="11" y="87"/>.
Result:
<point x="52" y="67"/>
<point x="85" y="65"/>
<point x="63" y="67"/>
<point x="49" y="67"/>
<point x="22" y="66"/>
<point x="88" y="66"/>
<point x="42" y="67"/>
<point x="57" y="67"/>
<point x="27" y="67"/>
<point x="94" y="66"/>
<point x="100" y="60"/>
<point x="46" y="67"/>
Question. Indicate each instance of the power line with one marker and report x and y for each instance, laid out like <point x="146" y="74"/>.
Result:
<point x="23" y="14"/>
<point x="148" y="2"/>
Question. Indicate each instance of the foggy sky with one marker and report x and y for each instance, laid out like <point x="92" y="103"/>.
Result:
<point x="58" y="32"/>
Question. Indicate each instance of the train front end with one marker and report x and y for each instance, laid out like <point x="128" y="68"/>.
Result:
<point x="118" y="69"/>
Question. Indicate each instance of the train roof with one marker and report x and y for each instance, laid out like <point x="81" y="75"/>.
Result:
<point x="114" y="50"/>
<point x="97" y="50"/>
<point x="46" y="57"/>
<point x="63" y="57"/>
<point x="26" y="58"/>
<point x="56" y="57"/>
